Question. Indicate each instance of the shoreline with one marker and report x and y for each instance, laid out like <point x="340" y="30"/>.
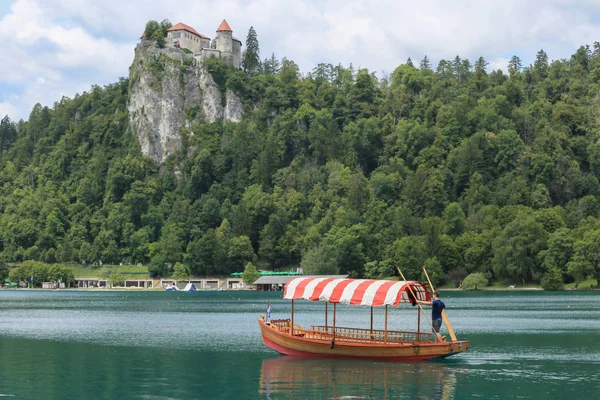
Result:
<point x="136" y="289"/>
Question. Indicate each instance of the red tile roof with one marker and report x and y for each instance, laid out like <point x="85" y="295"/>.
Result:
<point x="224" y="27"/>
<point x="183" y="27"/>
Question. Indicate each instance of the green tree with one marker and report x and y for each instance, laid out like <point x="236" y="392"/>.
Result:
<point x="454" y="220"/>
<point x="560" y="250"/>
<point x="240" y="253"/>
<point x="510" y="146"/>
<point x="379" y="269"/>
<point x="251" y="56"/>
<point x="116" y="279"/>
<point x="408" y="254"/>
<point x="157" y="32"/>
<point x="202" y="255"/>
<point x="158" y="37"/>
<point x="3" y="272"/>
<point x="180" y="272"/>
<point x="320" y="260"/>
<point x="552" y="279"/>
<point x="425" y="64"/>
<point x="250" y="274"/>
<point x="516" y="249"/>
<point x="170" y="247"/>
<point x="586" y="260"/>
<point x="514" y="66"/>
<point x="474" y="282"/>
<point x="151" y="27"/>
<point x="540" y="66"/>
<point x="434" y="270"/>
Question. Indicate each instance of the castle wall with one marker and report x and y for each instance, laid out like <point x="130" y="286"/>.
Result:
<point x="237" y="53"/>
<point x="207" y="53"/>
<point x="186" y="40"/>
<point x="204" y="44"/>
<point x="224" y="41"/>
<point x="223" y="46"/>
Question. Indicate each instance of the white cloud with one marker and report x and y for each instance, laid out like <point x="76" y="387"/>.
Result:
<point x="72" y="44"/>
<point x="47" y="60"/>
<point x="498" y="63"/>
<point x="8" y="108"/>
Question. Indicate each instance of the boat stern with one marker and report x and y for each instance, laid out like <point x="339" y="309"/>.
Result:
<point x="456" y="347"/>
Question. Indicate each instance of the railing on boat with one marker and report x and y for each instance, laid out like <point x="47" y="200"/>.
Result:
<point x="354" y="335"/>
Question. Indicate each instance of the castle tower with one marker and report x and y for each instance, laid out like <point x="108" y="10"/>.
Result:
<point x="225" y="42"/>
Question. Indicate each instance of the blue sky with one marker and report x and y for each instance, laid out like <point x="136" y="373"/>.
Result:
<point x="55" y="48"/>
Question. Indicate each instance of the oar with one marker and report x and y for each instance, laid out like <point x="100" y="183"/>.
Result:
<point x="444" y="316"/>
<point x="415" y="297"/>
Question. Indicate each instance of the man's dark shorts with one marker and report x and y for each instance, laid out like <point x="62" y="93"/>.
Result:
<point x="437" y="324"/>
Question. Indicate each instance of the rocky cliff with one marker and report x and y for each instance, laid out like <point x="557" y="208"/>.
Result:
<point x="170" y="90"/>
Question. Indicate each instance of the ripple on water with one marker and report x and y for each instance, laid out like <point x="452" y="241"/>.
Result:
<point x="517" y="350"/>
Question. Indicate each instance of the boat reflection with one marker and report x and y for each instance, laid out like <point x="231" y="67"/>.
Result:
<point x="304" y="378"/>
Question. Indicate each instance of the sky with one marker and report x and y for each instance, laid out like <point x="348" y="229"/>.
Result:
<point x="55" y="48"/>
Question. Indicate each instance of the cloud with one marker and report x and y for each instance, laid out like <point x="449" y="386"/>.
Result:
<point x="72" y="44"/>
<point x="8" y="108"/>
<point x="498" y="63"/>
<point x="47" y="60"/>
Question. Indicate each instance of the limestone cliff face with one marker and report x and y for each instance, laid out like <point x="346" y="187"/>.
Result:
<point x="170" y="91"/>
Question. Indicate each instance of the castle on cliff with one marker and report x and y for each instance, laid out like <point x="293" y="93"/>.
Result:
<point x="224" y="46"/>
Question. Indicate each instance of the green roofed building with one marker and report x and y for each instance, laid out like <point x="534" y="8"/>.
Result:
<point x="267" y="283"/>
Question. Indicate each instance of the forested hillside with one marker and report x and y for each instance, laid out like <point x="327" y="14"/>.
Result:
<point x="457" y="167"/>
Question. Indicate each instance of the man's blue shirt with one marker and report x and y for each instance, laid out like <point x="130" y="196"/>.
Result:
<point x="436" y="310"/>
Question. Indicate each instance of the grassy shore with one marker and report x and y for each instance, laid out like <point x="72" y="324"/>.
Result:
<point x="503" y="285"/>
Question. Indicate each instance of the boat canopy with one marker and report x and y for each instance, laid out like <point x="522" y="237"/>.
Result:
<point x="365" y="292"/>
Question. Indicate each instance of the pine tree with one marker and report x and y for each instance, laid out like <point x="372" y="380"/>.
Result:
<point x="456" y="67"/>
<point x="465" y="69"/>
<point x="270" y="65"/>
<point x="596" y="51"/>
<point x="425" y="64"/>
<point x="540" y="66"/>
<point x="514" y="66"/>
<point x="251" y="60"/>
<point x="480" y="73"/>
<point x="481" y="65"/>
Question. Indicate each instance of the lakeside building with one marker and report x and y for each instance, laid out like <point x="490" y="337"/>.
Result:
<point x="270" y="283"/>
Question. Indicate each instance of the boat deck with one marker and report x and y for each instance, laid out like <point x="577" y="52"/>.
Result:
<point x="350" y="335"/>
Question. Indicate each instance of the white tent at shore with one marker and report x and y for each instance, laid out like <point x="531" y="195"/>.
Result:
<point x="190" y="287"/>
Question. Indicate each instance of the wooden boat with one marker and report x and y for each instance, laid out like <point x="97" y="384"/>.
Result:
<point x="332" y="341"/>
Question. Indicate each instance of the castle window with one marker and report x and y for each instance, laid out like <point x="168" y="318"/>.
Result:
<point x="176" y="35"/>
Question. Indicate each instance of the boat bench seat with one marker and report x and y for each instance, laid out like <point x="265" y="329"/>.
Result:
<point x="319" y="335"/>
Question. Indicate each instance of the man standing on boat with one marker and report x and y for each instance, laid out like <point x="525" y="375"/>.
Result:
<point x="437" y="306"/>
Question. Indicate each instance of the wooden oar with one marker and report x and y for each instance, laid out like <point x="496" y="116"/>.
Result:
<point x="415" y="297"/>
<point x="444" y="316"/>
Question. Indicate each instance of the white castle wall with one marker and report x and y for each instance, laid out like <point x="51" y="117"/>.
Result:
<point x="186" y="40"/>
<point x="226" y="47"/>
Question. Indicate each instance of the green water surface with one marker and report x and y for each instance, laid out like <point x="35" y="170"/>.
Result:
<point x="206" y="345"/>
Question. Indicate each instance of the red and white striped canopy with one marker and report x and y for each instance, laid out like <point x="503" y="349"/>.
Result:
<point x="365" y="292"/>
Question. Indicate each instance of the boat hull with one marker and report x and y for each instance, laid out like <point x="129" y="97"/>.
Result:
<point x="296" y="346"/>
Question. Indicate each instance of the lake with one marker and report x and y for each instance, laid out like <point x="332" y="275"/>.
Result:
<point x="206" y="345"/>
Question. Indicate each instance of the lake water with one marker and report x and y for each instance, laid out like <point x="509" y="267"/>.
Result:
<point x="206" y="345"/>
